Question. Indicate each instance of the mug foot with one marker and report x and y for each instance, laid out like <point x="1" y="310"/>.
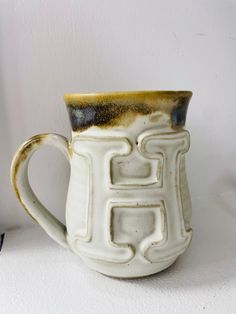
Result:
<point x="129" y="270"/>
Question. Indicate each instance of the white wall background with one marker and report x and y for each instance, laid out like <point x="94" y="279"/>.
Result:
<point x="48" y="48"/>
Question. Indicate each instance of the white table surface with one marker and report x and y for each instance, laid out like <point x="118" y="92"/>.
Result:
<point x="38" y="276"/>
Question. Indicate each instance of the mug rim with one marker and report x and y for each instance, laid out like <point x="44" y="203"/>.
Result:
<point x="138" y="94"/>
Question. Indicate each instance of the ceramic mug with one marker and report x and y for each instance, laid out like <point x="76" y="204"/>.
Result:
<point x="128" y="207"/>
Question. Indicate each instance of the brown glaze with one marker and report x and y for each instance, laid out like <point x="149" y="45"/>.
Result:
<point x="121" y="109"/>
<point x="21" y="155"/>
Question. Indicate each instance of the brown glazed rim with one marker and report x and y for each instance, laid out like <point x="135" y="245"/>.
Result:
<point x="152" y="95"/>
<point x="107" y="110"/>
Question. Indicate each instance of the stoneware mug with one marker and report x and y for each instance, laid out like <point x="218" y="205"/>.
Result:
<point x="128" y="207"/>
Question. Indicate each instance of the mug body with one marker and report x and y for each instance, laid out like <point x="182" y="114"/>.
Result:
<point x="128" y="207"/>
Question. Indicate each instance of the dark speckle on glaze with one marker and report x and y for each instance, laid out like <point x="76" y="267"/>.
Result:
<point x="178" y="114"/>
<point x="81" y="117"/>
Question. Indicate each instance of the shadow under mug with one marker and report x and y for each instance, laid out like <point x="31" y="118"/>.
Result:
<point x="128" y="207"/>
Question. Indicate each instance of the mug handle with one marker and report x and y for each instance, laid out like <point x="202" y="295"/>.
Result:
<point x="20" y="182"/>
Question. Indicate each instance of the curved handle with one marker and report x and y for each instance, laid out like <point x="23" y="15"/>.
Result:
<point x="23" y="190"/>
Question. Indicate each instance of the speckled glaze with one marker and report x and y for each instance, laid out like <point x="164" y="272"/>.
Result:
<point x="120" y="109"/>
<point x="128" y="207"/>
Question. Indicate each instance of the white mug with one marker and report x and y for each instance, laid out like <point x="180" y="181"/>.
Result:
<point x="128" y="207"/>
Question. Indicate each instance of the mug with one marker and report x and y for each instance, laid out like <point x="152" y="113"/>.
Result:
<point x="128" y="206"/>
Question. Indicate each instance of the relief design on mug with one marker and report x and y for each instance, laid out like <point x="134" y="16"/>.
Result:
<point x="142" y="213"/>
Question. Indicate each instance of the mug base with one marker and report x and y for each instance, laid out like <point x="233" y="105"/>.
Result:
<point x="128" y="271"/>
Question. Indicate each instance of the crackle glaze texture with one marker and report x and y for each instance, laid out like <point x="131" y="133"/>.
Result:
<point x="128" y="207"/>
